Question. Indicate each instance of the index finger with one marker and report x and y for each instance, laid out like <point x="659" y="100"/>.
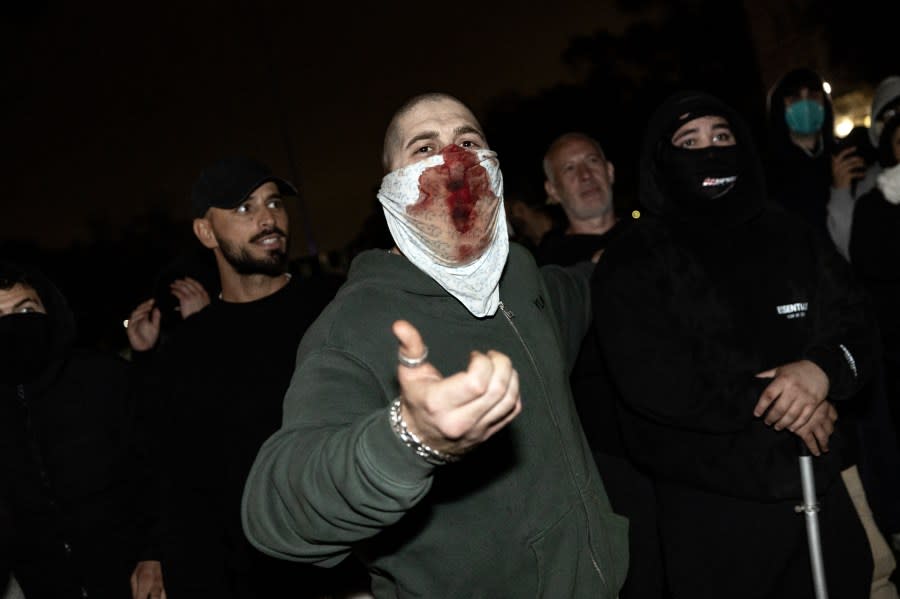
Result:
<point x="144" y="306"/>
<point x="769" y="395"/>
<point x="193" y="285"/>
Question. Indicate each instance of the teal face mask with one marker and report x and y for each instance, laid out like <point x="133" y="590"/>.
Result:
<point x="805" y="117"/>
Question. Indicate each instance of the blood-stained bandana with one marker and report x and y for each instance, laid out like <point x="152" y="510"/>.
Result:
<point x="445" y="214"/>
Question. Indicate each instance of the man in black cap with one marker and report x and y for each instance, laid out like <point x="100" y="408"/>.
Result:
<point x="226" y="373"/>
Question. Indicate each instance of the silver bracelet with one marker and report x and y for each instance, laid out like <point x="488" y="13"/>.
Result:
<point x="411" y="440"/>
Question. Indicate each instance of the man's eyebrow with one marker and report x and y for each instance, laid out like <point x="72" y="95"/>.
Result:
<point x="421" y="136"/>
<point x="22" y="302"/>
<point x="684" y="133"/>
<point x="463" y="129"/>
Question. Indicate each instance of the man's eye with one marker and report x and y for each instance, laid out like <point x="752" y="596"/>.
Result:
<point x="423" y="149"/>
<point x="242" y="209"/>
<point x="274" y="204"/>
<point x="26" y="310"/>
<point x="688" y="143"/>
<point x="470" y="144"/>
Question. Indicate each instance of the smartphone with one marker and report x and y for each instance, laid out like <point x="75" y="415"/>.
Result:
<point x="858" y="138"/>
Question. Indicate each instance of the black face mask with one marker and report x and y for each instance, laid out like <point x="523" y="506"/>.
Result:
<point x="699" y="176"/>
<point x="24" y="347"/>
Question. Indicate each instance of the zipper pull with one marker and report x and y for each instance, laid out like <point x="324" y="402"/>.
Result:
<point x="509" y="313"/>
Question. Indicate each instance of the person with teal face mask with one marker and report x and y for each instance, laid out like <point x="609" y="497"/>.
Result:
<point x="805" y="113"/>
<point x="801" y="141"/>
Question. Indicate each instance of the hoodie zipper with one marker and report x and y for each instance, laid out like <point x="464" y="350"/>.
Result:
<point x="510" y="315"/>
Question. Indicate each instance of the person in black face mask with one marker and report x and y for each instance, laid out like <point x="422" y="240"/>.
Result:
<point x="733" y="333"/>
<point x="71" y="473"/>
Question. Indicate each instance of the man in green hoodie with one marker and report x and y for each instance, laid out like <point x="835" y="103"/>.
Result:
<point x="473" y="484"/>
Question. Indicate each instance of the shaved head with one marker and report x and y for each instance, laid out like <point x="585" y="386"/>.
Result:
<point x="392" y="136"/>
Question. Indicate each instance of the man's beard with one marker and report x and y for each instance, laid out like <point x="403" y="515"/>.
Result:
<point x="273" y="264"/>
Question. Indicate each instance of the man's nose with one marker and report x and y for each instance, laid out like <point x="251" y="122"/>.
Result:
<point x="266" y="216"/>
<point x="583" y="171"/>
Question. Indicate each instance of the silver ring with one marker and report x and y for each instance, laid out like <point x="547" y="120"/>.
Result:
<point x="412" y="362"/>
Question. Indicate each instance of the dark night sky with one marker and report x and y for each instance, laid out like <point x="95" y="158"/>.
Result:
<point x="112" y="112"/>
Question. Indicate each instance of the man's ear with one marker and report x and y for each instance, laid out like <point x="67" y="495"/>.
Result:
<point x="552" y="197"/>
<point x="203" y="231"/>
<point x="610" y="172"/>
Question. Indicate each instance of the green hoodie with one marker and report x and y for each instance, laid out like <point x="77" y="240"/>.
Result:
<point x="523" y="515"/>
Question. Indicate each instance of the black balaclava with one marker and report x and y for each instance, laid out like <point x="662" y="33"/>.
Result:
<point x="34" y="346"/>
<point x="719" y="186"/>
<point x="25" y="347"/>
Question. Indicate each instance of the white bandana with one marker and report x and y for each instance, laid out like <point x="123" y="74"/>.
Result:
<point x="446" y="215"/>
<point x="889" y="184"/>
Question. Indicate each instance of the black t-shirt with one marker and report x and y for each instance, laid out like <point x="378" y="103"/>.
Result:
<point x="565" y="250"/>
<point x="229" y="368"/>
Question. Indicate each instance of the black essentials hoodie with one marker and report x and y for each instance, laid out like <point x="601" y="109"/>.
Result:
<point x="71" y="470"/>
<point x="695" y="299"/>
<point x="797" y="180"/>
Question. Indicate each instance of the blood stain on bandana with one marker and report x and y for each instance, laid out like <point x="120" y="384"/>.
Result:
<point x="458" y="193"/>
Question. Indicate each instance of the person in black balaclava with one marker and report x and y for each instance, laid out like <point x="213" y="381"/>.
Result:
<point x="72" y="470"/>
<point x="733" y="332"/>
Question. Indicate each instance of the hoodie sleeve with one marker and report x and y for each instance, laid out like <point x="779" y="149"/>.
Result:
<point x="330" y="478"/>
<point x="570" y="295"/>
<point x="843" y="332"/>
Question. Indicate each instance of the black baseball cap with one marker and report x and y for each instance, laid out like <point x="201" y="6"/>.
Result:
<point x="230" y="181"/>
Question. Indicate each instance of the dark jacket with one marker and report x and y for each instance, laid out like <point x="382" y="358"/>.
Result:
<point x="693" y="301"/>
<point x="72" y="473"/>
<point x="797" y="180"/>
<point x="694" y="304"/>
<point x="875" y="256"/>
<point x="523" y="515"/>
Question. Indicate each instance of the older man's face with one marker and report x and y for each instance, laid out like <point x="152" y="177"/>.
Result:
<point x="429" y="127"/>
<point x="581" y="180"/>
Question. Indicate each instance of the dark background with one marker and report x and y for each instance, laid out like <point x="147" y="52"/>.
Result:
<point x="111" y="110"/>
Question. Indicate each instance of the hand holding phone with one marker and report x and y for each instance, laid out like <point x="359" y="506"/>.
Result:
<point x="847" y="166"/>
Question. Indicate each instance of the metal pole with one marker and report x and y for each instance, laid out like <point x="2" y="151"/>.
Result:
<point x="810" y="508"/>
